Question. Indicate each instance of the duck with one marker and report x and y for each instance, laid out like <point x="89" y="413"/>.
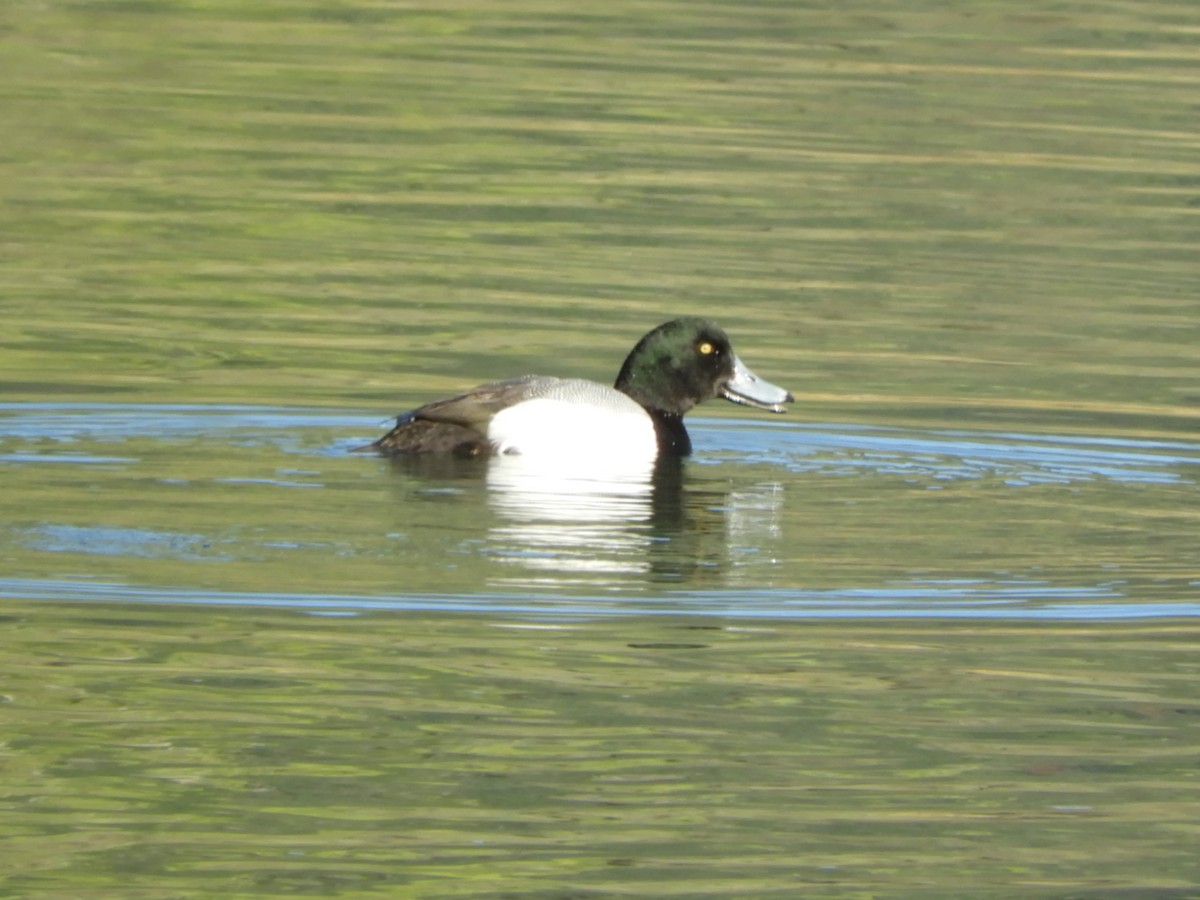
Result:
<point x="674" y="367"/>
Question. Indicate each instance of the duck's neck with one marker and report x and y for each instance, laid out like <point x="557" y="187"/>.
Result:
<point x="673" y="438"/>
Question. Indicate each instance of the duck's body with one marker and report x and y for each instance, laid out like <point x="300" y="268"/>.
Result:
<point x="677" y="365"/>
<point x="530" y="414"/>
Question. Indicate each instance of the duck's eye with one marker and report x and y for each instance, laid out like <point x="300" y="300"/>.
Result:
<point x="705" y="348"/>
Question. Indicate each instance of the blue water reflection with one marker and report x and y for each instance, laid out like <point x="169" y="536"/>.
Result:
<point x="1014" y="602"/>
<point x="1019" y="458"/>
<point x="767" y="520"/>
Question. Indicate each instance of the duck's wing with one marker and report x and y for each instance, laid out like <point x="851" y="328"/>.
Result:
<point x="457" y="424"/>
<point x="475" y="408"/>
<point x="411" y="435"/>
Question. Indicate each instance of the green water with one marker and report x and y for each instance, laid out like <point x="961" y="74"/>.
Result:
<point x="418" y="757"/>
<point x="932" y="634"/>
<point x="977" y="209"/>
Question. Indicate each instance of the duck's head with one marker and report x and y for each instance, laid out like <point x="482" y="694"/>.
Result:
<point x="687" y="361"/>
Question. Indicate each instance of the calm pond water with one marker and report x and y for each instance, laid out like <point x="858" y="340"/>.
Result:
<point x="934" y="633"/>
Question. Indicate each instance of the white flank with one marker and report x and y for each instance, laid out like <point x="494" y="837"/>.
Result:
<point x="578" y="433"/>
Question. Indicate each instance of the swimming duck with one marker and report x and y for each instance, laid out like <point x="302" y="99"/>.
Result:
<point x="677" y="365"/>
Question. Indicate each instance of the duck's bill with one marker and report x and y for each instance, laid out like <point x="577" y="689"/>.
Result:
<point x="748" y="389"/>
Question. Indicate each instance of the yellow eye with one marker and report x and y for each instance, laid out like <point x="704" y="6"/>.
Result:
<point x="705" y="348"/>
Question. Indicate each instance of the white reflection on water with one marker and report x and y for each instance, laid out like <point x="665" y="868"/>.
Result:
<point x="560" y="523"/>
<point x="561" y="520"/>
<point x="754" y="520"/>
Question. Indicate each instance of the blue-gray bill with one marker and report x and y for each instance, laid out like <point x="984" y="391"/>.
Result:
<point x="748" y="389"/>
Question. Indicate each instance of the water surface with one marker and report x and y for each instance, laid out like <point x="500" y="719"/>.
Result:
<point x="278" y="506"/>
<point x="933" y="634"/>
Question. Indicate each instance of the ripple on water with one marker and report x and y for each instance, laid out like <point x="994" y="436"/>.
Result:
<point x="769" y="519"/>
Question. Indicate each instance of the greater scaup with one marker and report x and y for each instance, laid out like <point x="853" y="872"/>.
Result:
<point x="677" y="365"/>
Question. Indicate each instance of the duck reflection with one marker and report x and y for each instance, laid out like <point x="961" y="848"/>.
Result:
<point x="560" y="525"/>
<point x="622" y="526"/>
